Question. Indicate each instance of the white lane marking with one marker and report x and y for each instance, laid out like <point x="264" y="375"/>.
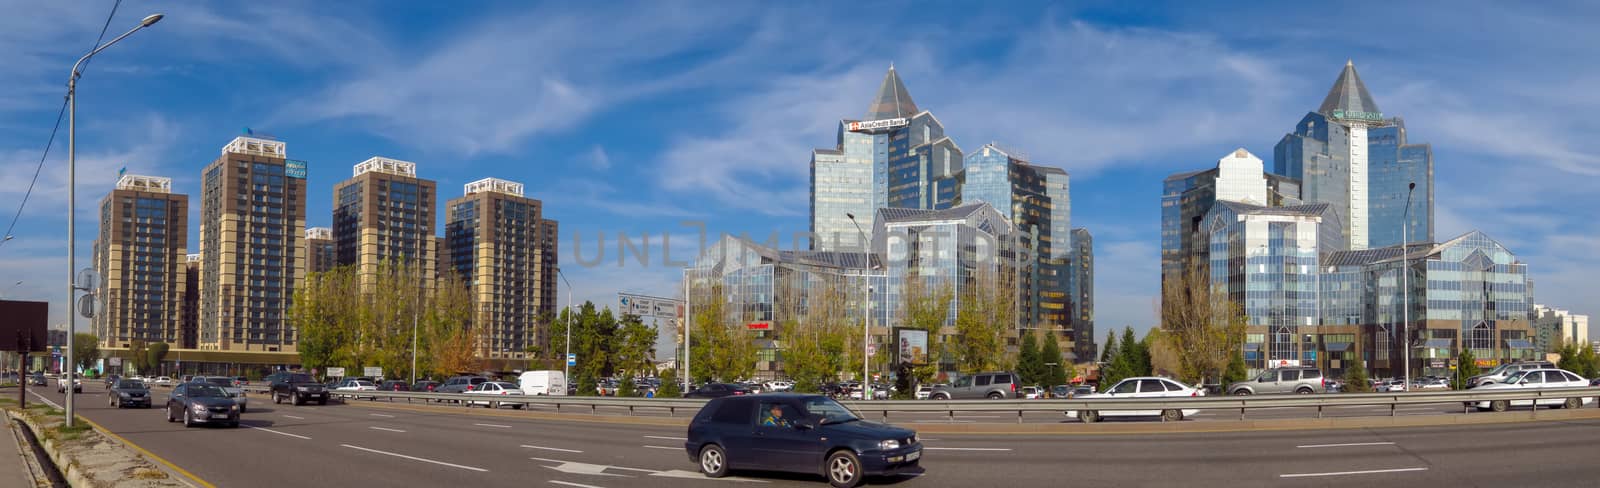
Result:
<point x="279" y="433"/>
<point x="663" y="447"/>
<point x="1342" y="473"/>
<point x="294" y="417"/>
<point x="966" y="449"/>
<point x="600" y="470"/>
<point x="666" y="438"/>
<point x="1314" y="446"/>
<point x="381" y="415"/>
<point x="552" y="449"/>
<point x="414" y="458"/>
<point x="45" y="400"/>
<point x="388" y="429"/>
<point x="493" y="425"/>
<point x="568" y="483"/>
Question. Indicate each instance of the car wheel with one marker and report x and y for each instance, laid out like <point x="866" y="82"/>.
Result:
<point x="1499" y="405"/>
<point x="295" y="400"/>
<point x="1573" y="403"/>
<point x="844" y="469"/>
<point x="941" y="397"/>
<point x="996" y="396"/>
<point x="1088" y="416"/>
<point x="168" y="414"/>
<point x="516" y="406"/>
<point x="1304" y="391"/>
<point x="1171" y="415"/>
<point x="713" y="461"/>
<point x="277" y="399"/>
<point x="188" y="421"/>
<point x="241" y="408"/>
<point x="1241" y="393"/>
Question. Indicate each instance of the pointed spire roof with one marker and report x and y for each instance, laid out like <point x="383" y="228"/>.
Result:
<point x="1349" y="96"/>
<point x="893" y="101"/>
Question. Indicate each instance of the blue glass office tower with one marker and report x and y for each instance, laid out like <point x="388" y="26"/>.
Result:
<point x="896" y="156"/>
<point x="1348" y="155"/>
<point x="1268" y="260"/>
<point x="1037" y="200"/>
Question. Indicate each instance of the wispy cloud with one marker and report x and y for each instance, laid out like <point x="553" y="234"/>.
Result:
<point x="598" y="158"/>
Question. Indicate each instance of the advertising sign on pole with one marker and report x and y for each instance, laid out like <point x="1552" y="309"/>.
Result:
<point x="336" y="372"/>
<point x="912" y="345"/>
<point x="372" y="371"/>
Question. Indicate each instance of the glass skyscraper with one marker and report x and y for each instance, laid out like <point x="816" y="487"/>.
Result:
<point x="1348" y="155"/>
<point x="1267" y="259"/>
<point x="1187" y="197"/>
<point x="1037" y="201"/>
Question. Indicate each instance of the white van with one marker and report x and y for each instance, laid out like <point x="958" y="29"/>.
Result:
<point x="543" y="383"/>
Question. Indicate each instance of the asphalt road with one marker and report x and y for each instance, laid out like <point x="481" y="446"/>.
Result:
<point x="363" y="444"/>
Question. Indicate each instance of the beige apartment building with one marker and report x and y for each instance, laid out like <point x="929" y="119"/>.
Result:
<point x="139" y="255"/>
<point x="496" y="241"/>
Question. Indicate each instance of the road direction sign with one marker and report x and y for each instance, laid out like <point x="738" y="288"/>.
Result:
<point x="372" y="371"/>
<point x="336" y="372"/>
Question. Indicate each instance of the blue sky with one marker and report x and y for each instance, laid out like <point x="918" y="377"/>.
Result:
<point x="634" y="118"/>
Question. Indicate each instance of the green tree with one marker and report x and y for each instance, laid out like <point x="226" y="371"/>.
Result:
<point x="1588" y="362"/>
<point x="1203" y="326"/>
<point x="722" y="351"/>
<point x="154" y="354"/>
<point x="626" y="388"/>
<point x="1570" y="357"/>
<point x="987" y="311"/>
<point x="1467" y="367"/>
<point x="1355" y="378"/>
<point x="136" y="356"/>
<point x="1055" y="372"/>
<point x="669" y="384"/>
<point x="85" y="350"/>
<point x="1135" y="358"/>
<point x="1236" y="370"/>
<point x="925" y="306"/>
<point x="634" y="347"/>
<point x="1029" y="366"/>
<point x="1108" y="351"/>
<point x="820" y="340"/>
<point x="1109" y="375"/>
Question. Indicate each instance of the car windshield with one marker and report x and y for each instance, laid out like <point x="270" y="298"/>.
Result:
<point x="300" y="378"/>
<point x="199" y="390"/>
<point x="223" y="382"/>
<point x="136" y="385"/>
<point x="830" y="411"/>
<point x="1515" y="377"/>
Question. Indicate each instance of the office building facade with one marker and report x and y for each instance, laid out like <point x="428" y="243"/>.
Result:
<point x="1082" y="286"/>
<point x="139" y="255"/>
<point x="495" y="237"/>
<point x="252" y="222"/>
<point x="385" y="214"/>
<point x="1187" y="197"/>
<point x="1268" y="260"/>
<point x="1348" y="155"/>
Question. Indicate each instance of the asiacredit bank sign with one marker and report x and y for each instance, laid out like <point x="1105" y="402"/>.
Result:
<point x="873" y="125"/>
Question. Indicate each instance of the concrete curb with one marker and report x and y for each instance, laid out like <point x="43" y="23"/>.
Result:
<point x="78" y="475"/>
<point x="1073" y="427"/>
<point x="25" y="450"/>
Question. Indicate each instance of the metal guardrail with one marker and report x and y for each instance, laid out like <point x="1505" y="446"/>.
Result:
<point x="950" y="407"/>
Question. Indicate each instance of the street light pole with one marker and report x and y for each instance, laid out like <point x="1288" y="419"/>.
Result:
<point x="866" y="321"/>
<point x="566" y="368"/>
<point x="1405" y="282"/>
<point x="72" y="203"/>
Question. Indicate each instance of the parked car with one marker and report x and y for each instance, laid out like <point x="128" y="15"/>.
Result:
<point x="201" y="403"/>
<point x="129" y="393"/>
<point x="111" y="380"/>
<point x="394" y="385"/>
<point x="778" y="385"/>
<point x="349" y="387"/>
<point x="717" y="390"/>
<point x="38" y="379"/>
<point x="797" y="433"/>
<point x="77" y="385"/>
<point x="1501" y="372"/>
<point x="1533" y="380"/>
<point x="543" y="383"/>
<point x="1031" y="392"/>
<point x="164" y="381"/>
<point x="296" y="388"/>
<point x="1594" y="382"/>
<point x="1141" y="387"/>
<point x="1432" y="384"/>
<point x="1390" y="386"/>
<point x="606" y="388"/>
<point x="495" y="388"/>
<point x="460" y="384"/>
<point x="425" y="385"/>
<point x="229" y="385"/>
<point x="993" y="385"/>
<point x="241" y="381"/>
<point x="924" y="392"/>
<point x="1303" y="380"/>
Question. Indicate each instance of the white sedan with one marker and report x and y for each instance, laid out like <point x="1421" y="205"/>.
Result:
<point x="495" y="388"/>
<point x="1137" y="388"/>
<point x="350" y="386"/>
<point x="1534" y="380"/>
<point x="164" y="381"/>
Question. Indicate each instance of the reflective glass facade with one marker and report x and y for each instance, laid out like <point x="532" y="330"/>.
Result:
<point x="1268" y="260"/>
<point x="842" y="183"/>
<point x="1393" y="165"/>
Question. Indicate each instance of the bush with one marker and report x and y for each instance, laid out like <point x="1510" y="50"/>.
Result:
<point x="669" y="385"/>
<point x="626" y="388"/>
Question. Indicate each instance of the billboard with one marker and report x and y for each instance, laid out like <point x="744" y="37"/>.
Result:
<point x="294" y="168"/>
<point x="870" y="125"/>
<point x="911" y="346"/>
<point x="24" y="326"/>
<point x="648" y="306"/>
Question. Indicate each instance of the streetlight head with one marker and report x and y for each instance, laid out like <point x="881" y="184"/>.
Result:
<point x="850" y="215"/>
<point x="8" y="237"/>
<point x="1413" y="186"/>
<point x="151" y="20"/>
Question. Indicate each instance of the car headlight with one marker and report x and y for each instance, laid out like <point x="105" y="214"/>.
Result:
<point x="913" y="438"/>
<point x="198" y="407"/>
<point x="122" y="394"/>
<point x="888" y="445"/>
<point x="235" y="407"/>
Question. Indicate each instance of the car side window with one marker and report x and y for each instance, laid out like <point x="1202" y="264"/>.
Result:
<point x="1288" y="375"/>
<point x="1151" y="386"/>
<point x="1002" y="378"/>
<point x="1125" y="387"/>
<point x="776" y="414"/>
<point x="1571" y="377"/>
<point x="963" y="382"/>
<point x="733" y="411"/>
<point x="1311" y="374"/>
<point x="983" y="380"/>
<point x="1172" y="386"/>
<point x="1533" y="377"/>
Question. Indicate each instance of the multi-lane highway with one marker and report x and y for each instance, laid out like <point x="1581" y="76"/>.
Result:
<point x="378" y="444"/>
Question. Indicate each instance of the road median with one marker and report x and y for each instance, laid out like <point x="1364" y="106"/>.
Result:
<point x="87" y="456"/>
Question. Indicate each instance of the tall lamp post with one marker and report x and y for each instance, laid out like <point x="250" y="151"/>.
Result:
<point x="866" y="320"/>
<point x="1405" y="283"/>
<point x="566" y="368"/>
<point x="72" y="200"/>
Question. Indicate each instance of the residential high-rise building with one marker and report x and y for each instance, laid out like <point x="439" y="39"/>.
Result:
<point x="1555" y="327"/>
<point x="897" y="156"/>
<point x="385" y="214"/>
<point x="321" y="254"/>
<point x="496" y="238"/>
<point x="549" y="263"/>
<point x="1187" y="198"/>
<point x="1346" y="154"/>
<point x="252" y="218"/>
<point x="139" y="255"/>
<point x="1083" y="295"/>
<point x="190" y="335"/>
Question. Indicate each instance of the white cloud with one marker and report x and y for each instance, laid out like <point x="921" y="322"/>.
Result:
<point x="598" y="158"/>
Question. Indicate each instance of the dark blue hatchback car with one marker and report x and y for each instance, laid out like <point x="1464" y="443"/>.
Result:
<point x="797" y="433"/>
